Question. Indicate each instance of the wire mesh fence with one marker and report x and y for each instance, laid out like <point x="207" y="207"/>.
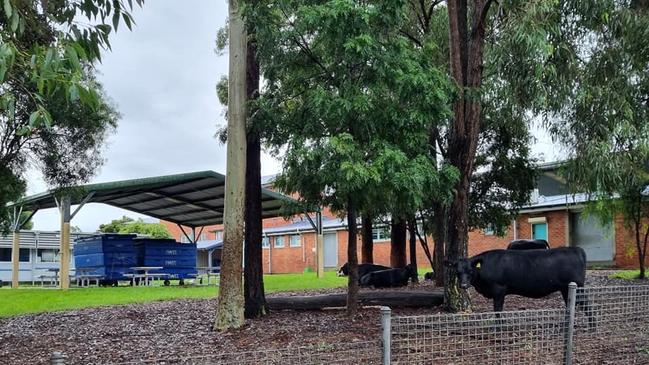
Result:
<point x="610" y="326"/>
<point x="368" y="352"/>
<point x="613" y="327"/>
<point x="601" y="325"/>
<point x="521" y="337"/>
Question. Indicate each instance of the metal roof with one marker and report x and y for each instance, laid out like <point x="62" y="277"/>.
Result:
<point x="305" y="226"/>
<point x="208" y="245"/>
<point x="193" y="199"/>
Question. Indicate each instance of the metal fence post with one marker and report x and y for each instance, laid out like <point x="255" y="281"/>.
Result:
<point x="57" y="358"/>
<point x="570" y="324"/>
<point x="386" y="324"/>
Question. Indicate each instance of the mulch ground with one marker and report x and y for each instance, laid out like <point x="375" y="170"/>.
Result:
<point x="182" y="328"/>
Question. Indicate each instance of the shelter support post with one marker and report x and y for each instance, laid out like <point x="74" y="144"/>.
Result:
<point x="64" y="209"/>
<point x="15" y="247"/>
<point x="320" y="245"/>
<point x="15" y="259"/>
<point x="16" y="224"/>
<point x="319" y="242"/>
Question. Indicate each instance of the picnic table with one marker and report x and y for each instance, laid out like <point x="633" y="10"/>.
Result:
<point x="143" y="275"/>
<point x="84" y="276"/>
<point x="53" y="279"/>
<point x="211" y="271"/>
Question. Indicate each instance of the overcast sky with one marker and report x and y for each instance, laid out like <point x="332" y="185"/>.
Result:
<point x="162" y="78"/>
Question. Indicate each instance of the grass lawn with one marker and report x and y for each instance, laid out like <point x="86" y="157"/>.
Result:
<point x="29" y="300"/>
<point x="626" y="274"/>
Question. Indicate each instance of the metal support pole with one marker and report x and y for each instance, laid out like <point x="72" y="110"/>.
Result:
<point x="64" y="272"/>
<point x="570" y="324"/>
<point x="319" y="245"/>
<point x="57" y="358"/>
<point x="386" y="323"/>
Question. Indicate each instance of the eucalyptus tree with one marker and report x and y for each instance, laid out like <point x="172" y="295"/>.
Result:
<point x="348" y="104"/>
<point x="597" y="81"/>
<point x="493" y="154"/>
<point x="53" y="113"/>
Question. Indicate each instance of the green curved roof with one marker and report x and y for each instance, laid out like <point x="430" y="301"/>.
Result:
<point x="192" y="199"/>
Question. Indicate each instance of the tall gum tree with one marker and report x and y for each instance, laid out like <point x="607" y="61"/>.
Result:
<point x="230" y="306"/>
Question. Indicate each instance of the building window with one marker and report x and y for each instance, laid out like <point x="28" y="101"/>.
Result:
<point x="381" y="233"/>
<point x="295" y="240"/>
<point x="265" y="242"/>
<point x="48" y="255"/>
<point x="488" y="230"/>
<point x="203" y="236"/>
<point x="5" y="255"/>
<point x="218" y="235"/>
<point x="279" y="241"/>
<point x="540" y="231"/>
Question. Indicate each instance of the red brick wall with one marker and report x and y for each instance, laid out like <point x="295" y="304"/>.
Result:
<point x="626" y="253"/>
<point x="297" y="259"/>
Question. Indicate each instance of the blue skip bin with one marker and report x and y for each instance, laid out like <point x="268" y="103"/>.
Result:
<point x="177" y="259"/>
<point x="108" y="255"/>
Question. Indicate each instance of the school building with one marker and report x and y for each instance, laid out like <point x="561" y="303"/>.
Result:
<point x="552" y="214"/>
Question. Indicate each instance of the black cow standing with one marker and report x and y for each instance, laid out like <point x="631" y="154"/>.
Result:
<point x="363" y="269"/>
<point x="388" y="278"/>
<point x="530" y="273"/>
<point x="528" y="245"/>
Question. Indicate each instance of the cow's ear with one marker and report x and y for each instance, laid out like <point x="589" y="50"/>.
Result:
<point x="476" y="264"/>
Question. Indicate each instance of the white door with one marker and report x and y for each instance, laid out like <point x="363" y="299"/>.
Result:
<point x="330" y="250"/>
<point x="597" y="240"/>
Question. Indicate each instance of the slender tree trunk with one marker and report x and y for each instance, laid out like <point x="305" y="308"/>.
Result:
<point x="352" y="259"/>
<point x="466" y="57"/>
<point x="229" y="312"/>
<point x="641" y="254"/>
<point x="253" y="275"/>
<point x="367" y="251"/>
<point x="439" y="238"/>
<point x="398" y="242"/>
<point x="412" y="227"/>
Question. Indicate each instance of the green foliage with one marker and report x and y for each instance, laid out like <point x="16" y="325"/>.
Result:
<point x="43" y="51"/>
<point x="53" y="113"/>
<point x="583" y="67"/>
<point x="504" y="171"/>
<point x="349" y="101"/>
<point x="129" y="225"/>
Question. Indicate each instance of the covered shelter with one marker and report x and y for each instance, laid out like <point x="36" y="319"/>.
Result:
<point x="191" y="200"/>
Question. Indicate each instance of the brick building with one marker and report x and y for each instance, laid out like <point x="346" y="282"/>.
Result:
<point x="553" y="214"/>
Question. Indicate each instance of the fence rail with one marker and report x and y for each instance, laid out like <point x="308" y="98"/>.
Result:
<point x="601" y="325"/>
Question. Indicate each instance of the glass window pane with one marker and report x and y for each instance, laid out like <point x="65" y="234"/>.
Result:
<point x="295" y="240"/>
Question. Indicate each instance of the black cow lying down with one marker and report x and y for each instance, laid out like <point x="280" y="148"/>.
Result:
<point x="388" y="278"/>
<point x="528" y="245"/>
<point x="530" y="273"/>
<point x="363" y="269"/>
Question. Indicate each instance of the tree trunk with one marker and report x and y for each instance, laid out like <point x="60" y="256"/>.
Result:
<point x="253" y="275"/>
<point x="641" y="256"/>
<point x="398" y="242"/>
<point x="229" y="312"/>
<point x="466" y="56"/>
<point x="439" y="238"/>
<point x="367" y="251"/>
<point x="413" y="247"/>
<point x="352" y="259"/>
